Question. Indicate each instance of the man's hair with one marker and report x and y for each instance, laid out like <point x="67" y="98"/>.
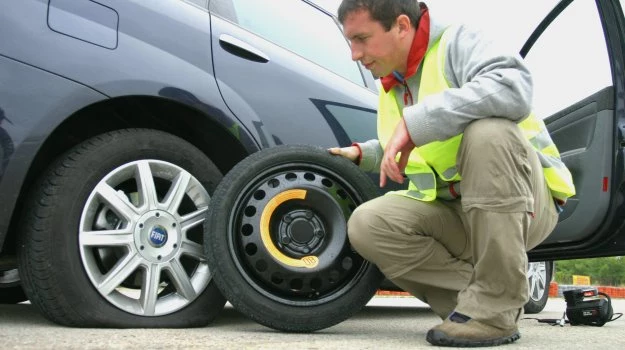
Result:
<point x="383" y="11"/>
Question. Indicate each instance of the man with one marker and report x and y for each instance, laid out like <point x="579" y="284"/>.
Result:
<point x="485" y="179"/>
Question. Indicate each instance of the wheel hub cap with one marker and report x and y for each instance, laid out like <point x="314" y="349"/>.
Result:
<point x="300" y="232"/>
<point x="157" y="236"/>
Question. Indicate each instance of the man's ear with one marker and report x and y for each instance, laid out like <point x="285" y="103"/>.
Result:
<point x="404" y="25"/>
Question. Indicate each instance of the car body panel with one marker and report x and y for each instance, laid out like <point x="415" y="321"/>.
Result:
<point x="244" y="62"/>
<point x="27" y="119"/>
<point x="300" y="82"/>
<point x="150" y="60"/>
<point x="140" y="64"/>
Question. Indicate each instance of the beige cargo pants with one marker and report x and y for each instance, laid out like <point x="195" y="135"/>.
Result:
<point x="467" y="255"/>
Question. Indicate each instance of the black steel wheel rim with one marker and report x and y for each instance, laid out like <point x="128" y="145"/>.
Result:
<point x="287" y="234"/>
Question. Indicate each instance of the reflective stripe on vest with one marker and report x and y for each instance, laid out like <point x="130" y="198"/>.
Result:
<point x="441" y="155"/>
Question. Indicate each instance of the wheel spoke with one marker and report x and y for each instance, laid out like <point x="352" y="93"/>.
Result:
<point x="119" y="273"/>
<point x="149" y="292"/>
<point x="541" y="280"/>
<point x="537" y="283"/>
<point x="533" y="288"/>
<point x="116" y="221"/>
<point x="119" y="204"/>
<point x="146" y="185"/>
<point x="106" y="238"/>
<point x="181" y="280"/>
<point x="192" y="249"/>
<point x="176" y="192"/>
<point x="193" y="219"/>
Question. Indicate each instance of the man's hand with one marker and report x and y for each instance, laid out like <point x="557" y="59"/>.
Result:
<point x="352" y="152"/>
<point x="400" y="142"/>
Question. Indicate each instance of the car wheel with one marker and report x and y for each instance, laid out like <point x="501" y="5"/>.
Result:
<point x="114" y="236"/>
<point x="539" y="278"/>
<point x="278" y="240"/>
<point x="11" y="291"/>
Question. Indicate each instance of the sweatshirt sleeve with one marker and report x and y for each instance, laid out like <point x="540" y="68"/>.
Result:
<point x="371" y="156"/>
<point x="486" y="81"/>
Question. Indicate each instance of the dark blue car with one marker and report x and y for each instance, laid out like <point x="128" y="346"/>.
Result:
<point x="119" y="118"/>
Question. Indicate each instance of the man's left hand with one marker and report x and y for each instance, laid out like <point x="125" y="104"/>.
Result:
<point x="400" y="142"/>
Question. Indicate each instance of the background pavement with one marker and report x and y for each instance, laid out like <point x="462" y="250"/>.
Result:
<point x="386" y="323"/>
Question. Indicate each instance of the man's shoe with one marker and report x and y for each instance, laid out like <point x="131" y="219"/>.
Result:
<point x="471" y="333"/>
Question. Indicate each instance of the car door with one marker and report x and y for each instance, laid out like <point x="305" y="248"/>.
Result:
<point x="576" y="59"/>
<point x="285" y="70"/>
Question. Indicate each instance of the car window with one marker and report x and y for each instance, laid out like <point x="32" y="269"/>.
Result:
<point x="569" y="61"/>
<point x="359" y="124"/>
<point x="200" y="3"/>
<point x="296" y="26"/>
<point x="349" y="123"/>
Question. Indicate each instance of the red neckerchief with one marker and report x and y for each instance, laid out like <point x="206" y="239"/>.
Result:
<point x="417" y="51"/>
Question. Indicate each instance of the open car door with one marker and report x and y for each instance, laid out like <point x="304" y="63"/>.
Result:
<point x="576" y="56"/>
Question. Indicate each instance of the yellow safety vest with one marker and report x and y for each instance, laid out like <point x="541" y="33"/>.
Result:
<point x="441" y="155"/>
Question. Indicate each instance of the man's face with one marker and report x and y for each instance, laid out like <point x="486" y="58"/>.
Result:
<point x="371" y="44"/>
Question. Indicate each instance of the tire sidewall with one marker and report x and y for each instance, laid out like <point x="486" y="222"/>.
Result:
<point x="227" y="271"/>
<point x="82" y="174"/>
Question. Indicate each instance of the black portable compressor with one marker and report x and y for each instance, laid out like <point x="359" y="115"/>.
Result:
<point x="588" y="307"/>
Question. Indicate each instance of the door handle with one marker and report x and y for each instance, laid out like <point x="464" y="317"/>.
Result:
<point x="242" y="49"/>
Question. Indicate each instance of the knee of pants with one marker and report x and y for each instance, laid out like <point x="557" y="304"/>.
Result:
<point x="359" y="231"/>
<point x="484" y="134"/>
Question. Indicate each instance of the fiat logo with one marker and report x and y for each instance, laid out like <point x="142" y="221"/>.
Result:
<point x="158" y="236"/>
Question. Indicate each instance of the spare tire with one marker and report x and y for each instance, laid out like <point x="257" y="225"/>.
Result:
<point x="277" y="238"/>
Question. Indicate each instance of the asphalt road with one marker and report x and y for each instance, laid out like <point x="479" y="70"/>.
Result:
<point x="386" y="323"/>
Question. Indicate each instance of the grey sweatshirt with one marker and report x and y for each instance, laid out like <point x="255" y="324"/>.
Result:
<point x="485" y="80"/>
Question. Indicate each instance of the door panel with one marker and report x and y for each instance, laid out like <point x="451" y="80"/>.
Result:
<point x="583" y="134"/>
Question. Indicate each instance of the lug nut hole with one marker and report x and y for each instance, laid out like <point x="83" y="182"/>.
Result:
<point x="250" y="211"/>
<point x="296" y="284"/>
<point x="315" y="284"/>
<point x="258" y="195"/>
<point x="247" y="229"/>
<point x="273" y="183"/>
<point x="251" y="249"/>
<point x="261" y="265"/>
<point x="341" y="193"/>
<point x="277" y="278"/>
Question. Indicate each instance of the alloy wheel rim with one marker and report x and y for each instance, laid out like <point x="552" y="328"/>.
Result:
<point x="141" y="240"/>
<point x="9" y="278"/>
<point x="537" y="278"/>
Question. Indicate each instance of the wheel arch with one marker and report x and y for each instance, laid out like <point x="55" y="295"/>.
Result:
<point x="210" y="132"/>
